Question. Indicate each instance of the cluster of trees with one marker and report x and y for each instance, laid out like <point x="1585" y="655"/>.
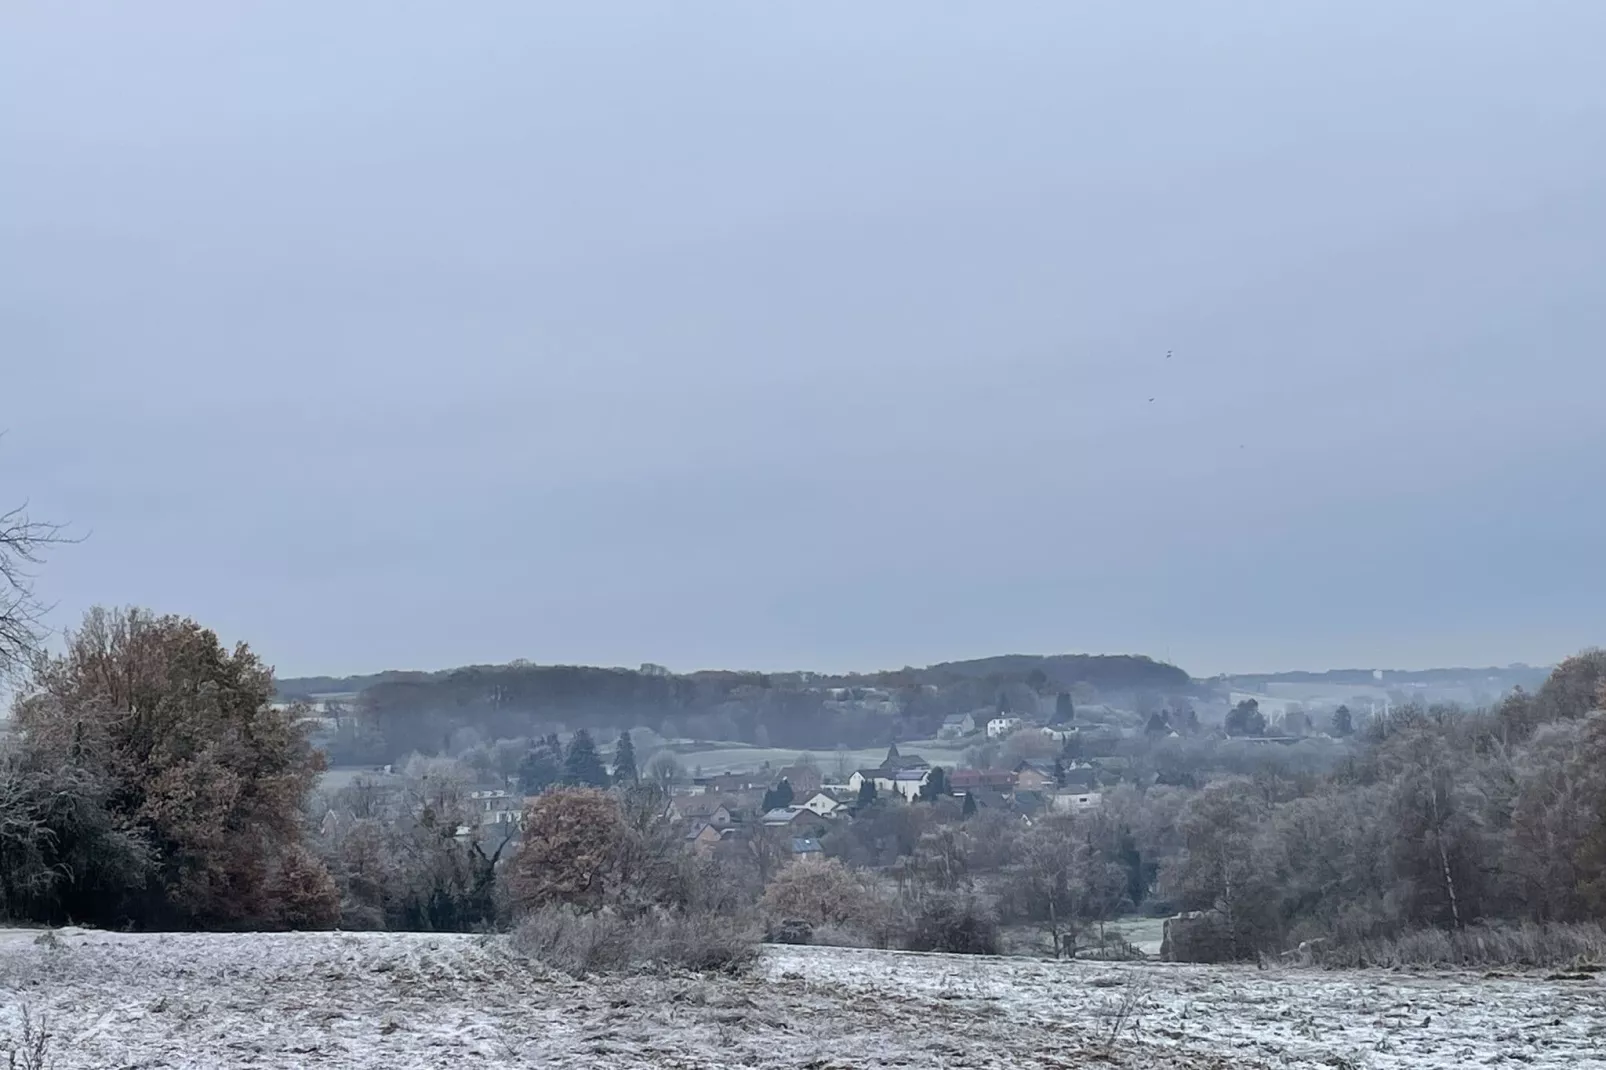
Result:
<point x="151" y="780"/>
<point x="549" y="763"/>
<point x="1437" y="818"/>
<point x="401" y="713"/>
<point x="1426" y="818"/>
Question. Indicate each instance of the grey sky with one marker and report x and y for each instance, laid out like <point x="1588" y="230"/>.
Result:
<point x="781" y="335"/>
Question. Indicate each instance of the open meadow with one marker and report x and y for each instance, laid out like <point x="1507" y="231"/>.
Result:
<point x="412" y="1001"/>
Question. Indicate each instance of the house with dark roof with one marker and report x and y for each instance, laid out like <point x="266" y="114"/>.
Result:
<point x="895" y="761"/>
<point x="1034" y="776"/>
<point x="704" y="808"/>
<point x="730" y="782"/>
<point x="703" y="837"/>
<point x="807" y="849"/>
<point x="798" y="819"/>
<point x="1080" y="778"/>
<point x="805" y="779"/>
<point x="955" y="725"/>
<point x="987" y="798"/>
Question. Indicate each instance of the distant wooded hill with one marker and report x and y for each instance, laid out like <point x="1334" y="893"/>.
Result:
<point x="1122" y="672"/>
<point x="1525" y="676"/>
<point x="394" y="712"/>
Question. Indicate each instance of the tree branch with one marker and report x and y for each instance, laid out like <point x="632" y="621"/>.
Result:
<point x="23" y="542"/>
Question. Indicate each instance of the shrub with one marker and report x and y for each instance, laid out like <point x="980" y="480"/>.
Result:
<point x="1525" y="945"/>
<point x="581" y="944"/>
<point x="822" y="893"/>
<point x="30" y="1049"/>
<point x="956" y="923"/>
<point x="1110" y="947"/>
<point x="1198" y="936"/>
<point x="702" y="943"/>
<point x="577" y="944"/>
<point x="303" y="893"/>
<point x="790" y="931"/>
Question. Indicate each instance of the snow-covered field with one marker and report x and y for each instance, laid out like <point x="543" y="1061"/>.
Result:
<point x="404" y="1001"/>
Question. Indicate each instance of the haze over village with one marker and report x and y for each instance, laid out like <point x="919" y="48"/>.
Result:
<point x="802" y="537"/>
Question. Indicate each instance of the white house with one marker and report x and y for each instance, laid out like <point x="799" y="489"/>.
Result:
<point x="905" y="782"/>
<point x="497" y="807"/>
<point x="856" y="781"/>
<point x="822" y="804"/>
<point x="1076" y="802"/>
<point x="999" y="727"/>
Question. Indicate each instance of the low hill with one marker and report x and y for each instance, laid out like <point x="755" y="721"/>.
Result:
<point x="399" y="712"/>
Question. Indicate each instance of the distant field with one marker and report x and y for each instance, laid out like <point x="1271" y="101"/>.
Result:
<point x="341" y="776"/>
<point x="1145" y="933"/>
<point x="726" y="757"/>
<point x="737" y="758"/>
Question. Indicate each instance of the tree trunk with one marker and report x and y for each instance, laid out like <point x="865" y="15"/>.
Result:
<point x="1444" y="862"/>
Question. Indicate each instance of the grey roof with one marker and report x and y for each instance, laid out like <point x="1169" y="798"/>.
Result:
<point x="910" y="774"/>
<point x="1087" y="777"/>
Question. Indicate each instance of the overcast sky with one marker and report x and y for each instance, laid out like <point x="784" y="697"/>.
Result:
<point x="814" y="335"/>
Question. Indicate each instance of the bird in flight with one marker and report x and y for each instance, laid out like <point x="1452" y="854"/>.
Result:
<point x="1168" y="354"/>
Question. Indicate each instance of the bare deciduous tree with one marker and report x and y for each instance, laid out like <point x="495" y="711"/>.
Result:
<point x="23" y="542"/>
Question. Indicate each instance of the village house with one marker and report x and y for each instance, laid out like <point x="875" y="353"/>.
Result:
<point x="702" y="837"/>
<point x="797" y="819"/>
<point x="908" y="782"/>
<point x="999" y="727"/>
<point x="497" y="807"/>
<point x="822" y="804"/>
<point x="857" y="781"/>
<point x="728" y="783"/>
<point x="698" y="808"/>
<point x="986" y="798"/>
<point x="955" y="725"/>
<point x="1080" y="778"/>
<point x="895" y="761"/>
<point x="1075" y="802"/>
<point x="806" y="849"/>
<point x="805" y="779"/>
<point x="1034" y="776"/>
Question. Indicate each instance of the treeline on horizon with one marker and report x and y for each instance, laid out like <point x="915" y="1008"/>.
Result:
<point x="405" y="713"/>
